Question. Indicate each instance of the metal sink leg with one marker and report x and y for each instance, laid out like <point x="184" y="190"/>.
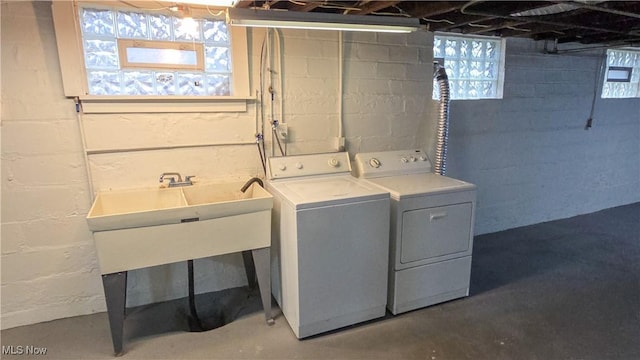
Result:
<point x="262" y="260"/>
<point x="115" y="292"/>
<point x="249" y="268"/>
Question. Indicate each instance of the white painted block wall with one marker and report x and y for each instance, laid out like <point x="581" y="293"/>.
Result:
<point x="49" y="266"/>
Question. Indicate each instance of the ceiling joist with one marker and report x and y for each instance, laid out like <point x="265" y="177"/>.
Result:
<point x="593" y="22"/>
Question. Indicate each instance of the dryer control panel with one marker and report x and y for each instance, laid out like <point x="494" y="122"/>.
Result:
<point x="306" y="165"/>
<point x="388" y="163"/>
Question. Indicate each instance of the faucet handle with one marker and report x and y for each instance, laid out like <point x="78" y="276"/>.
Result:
<point x="189" y="177"/>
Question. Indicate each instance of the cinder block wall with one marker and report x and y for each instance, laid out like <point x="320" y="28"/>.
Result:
<point x="49" y="265"/>
<point x="48" y="258"/>
<point x="530" y="154"/>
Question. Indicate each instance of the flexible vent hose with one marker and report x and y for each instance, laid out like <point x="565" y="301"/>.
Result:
<point x="443" y="119"/>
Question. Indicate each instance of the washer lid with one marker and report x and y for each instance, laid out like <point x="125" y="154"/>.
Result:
<point x="419" y="184"/>
<point x="331" y="190"/>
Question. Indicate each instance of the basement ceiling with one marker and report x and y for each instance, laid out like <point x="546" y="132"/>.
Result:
<point x="612" y="23"/>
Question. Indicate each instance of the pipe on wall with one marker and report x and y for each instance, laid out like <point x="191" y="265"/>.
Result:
<point x="442" y="135"/>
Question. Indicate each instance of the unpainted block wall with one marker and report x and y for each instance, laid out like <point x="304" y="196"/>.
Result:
<point x="49" y="265"/>
<point x="530" y="154"/>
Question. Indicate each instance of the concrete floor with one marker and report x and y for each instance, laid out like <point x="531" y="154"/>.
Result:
<point x="567" y="289"/>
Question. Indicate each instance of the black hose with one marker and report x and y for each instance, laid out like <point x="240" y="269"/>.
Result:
<point x="251" y="181"/>
<point x="277" y="140"/>
<point x="264" y="167"/>
<point x="192" y="297"/>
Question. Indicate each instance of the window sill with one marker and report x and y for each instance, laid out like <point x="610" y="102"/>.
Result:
<point x="163" y="104"/>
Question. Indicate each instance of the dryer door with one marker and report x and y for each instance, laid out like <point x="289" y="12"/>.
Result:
<point x="436" y="232"/>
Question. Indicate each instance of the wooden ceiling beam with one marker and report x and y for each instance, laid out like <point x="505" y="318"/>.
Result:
<point x="491" y="28"/>
<point x="250" y="3"/>
<point x="310" y="6"/>
<point x="243" y="4"/>
<point x="428" y="9"/>
<point x="465" y="22"/>
<point x="374" y="6"/>
<point x="534" y="29"/>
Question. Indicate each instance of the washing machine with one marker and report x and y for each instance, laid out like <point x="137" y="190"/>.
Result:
<point x="431" y="237"/>
<point x="329" y="243"/>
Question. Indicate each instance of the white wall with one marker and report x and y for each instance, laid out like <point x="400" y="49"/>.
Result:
<point x="49" y="265"/>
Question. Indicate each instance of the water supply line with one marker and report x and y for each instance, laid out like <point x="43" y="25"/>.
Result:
<point x="442" y="135"/>
<point x="260" y="145"/>
<point x="340" y="145"/>
<point x="267" y="61"/>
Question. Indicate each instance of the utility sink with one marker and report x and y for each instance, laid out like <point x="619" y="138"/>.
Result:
<point x="124" y="209"/>
<point x="135" y="229"/>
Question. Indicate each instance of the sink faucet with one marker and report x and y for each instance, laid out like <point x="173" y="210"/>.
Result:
<point x="172" y="179"/>
<point x="251" y="181"/>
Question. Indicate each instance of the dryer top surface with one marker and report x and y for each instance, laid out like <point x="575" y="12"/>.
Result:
<point x="420" y="184"/>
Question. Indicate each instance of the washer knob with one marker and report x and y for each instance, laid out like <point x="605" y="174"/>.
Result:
<point x="299" y="166"/>
<point x="422" y="158"/>
<point x="282" y="167"/>
<point x="412" y="159"/>
<point x="404" y="160"/>
<point x="374" y="163"/>
<point x="334" y="162"/>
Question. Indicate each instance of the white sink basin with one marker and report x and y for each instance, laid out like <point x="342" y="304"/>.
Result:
<point x="124" y="209"/>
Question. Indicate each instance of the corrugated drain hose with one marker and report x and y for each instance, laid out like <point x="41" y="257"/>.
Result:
<point x="442" y="136"/>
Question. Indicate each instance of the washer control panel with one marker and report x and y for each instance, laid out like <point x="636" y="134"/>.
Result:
<point x="387" y="163"/>
<point x="305" y="165"/>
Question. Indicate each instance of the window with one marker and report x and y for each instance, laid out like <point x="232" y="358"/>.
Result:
<point x="150" y="60"/>
<point x="475" y="66"/>
<point x="622" y="75"/>
<point x="141" y="53"/>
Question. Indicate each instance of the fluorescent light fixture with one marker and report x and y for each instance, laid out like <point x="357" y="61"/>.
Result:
<point x="319" y="21"/>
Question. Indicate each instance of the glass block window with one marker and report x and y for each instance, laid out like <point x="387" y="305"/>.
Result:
<point x="628" y="59"/>
<point x="143" y="53"/>
<point x="474" y="66"/>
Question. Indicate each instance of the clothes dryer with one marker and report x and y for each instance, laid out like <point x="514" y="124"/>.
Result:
<point x="431" y="238"/>
<point x="329" y="243"/>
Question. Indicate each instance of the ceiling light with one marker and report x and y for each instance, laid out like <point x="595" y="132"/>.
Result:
<point x="187" y="24"/>
<point x="319" y="21"/>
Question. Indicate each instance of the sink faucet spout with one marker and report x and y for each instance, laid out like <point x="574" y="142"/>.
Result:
<point x="251" y="181"/>
<point x="171" y="174"/>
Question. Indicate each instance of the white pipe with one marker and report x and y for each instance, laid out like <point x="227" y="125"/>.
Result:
<point x="268" y="61"/>
<point x="280" y="83"/>
<point x="280" y="77"/>
<point x="84" y="148"/>
<point x="257" y="113"/>
<point x="163" y="147"/>
<point x="340" y="82"/>
<point x="261" y="75"/>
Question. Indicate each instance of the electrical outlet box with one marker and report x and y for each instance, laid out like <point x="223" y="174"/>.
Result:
<point x="283" y="131"/>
